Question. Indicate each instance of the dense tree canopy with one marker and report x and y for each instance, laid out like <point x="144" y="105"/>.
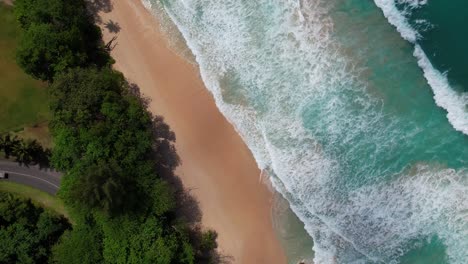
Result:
<point x="27" y="232"/>
<point x="93" y="110"/>
<point x="105" y="187"/>
<point x="58" y="35"/>
<point x="104" y="139"/>
<point x="111" y="150"/>
<point x="83" y="245"/>
<point x="106" y="142"/>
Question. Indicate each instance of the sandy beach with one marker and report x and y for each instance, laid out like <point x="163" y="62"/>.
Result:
<point x="216" y="164"/>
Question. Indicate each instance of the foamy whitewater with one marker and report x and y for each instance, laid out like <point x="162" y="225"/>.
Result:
<point x="445" y="97"/>
<point x="333" y="105"/>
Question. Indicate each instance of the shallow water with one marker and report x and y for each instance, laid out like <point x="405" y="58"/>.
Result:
<point x="296" y="242"/>
<point x="340" y="104"/>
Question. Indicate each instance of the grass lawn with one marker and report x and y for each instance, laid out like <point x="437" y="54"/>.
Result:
<point x="23" y="100"/>
<point x="38" y="197"/>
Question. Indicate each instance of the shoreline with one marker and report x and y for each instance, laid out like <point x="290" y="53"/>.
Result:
<point x="216" y="166"/>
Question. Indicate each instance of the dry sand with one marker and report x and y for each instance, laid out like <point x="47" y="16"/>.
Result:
<point x="216" y="164"/>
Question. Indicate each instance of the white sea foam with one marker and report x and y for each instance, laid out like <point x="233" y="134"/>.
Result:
<point x="454" y="103"/>
<point x="444" y="95"/>
<point x="263" y="134"/>
<point x="413" y="3"/>
<point x="147" y="4"/>
<point x="397" y="19"/>
<point x="268" y="79"/>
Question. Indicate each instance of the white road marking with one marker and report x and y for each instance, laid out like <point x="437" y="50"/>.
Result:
<point x="12" y="172"/>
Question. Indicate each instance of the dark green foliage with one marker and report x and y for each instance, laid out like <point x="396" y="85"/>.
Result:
<point x="205" y="244"/>
<point x="27" y="232"/>
<point x="163" y="198"/>
<point x="78" y="96"/>
<point x="95" y="117"/>
<point x="105" y="187"/>
<point x="208" y="240"/>
<point x="7" y="143"/>
<point x="43" y="51"/>
<point x="83" y="245"/>
<point x="145" y="240"/>
<point x="58" y="35"/>
<point x="105" y="140"/>
<point x="24" y="151"/>
<point x="112" y="151"/>
<point x="61" y="13"/>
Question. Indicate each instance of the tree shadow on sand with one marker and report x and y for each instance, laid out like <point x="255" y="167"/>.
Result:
<point x="112" y="26"/>
<point x="166" y="162"/>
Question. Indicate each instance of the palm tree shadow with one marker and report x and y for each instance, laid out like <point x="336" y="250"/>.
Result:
<point x="112" y="26"/>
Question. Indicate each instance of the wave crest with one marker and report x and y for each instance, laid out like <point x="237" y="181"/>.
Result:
<point x="456" y="104"/>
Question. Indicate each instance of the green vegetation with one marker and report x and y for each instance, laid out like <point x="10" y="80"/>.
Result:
<point x="57" y="35"/>
<point x="23" y="100"/>
<point x="27" y="232"/>
<point x="82" y="245"/>
<point x="105" y="143"/>
<point x="116" y="157"/>
<point x="24" y="151"/>
<point x="38" y="197"/>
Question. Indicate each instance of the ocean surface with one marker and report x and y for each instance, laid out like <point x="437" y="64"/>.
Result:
<point x="357" y="110"/>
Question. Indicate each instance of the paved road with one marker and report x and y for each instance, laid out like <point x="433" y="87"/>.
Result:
<point x="43" y="179"/>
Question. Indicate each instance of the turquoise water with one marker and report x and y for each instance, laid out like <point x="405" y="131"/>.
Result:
<point x="443" y="30"/>
<point x="290" y="231"/>
<point x="357" y="127"/>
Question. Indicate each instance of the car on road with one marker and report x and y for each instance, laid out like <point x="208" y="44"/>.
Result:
<point x="3" y="175"/>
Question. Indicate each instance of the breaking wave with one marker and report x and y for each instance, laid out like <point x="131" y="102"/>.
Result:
<point x="456" y="104"/>
<point x="371" y="180"/>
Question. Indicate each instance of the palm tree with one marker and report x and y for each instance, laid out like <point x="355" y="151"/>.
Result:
<point x="35" y="149"/>
<point x="22" y="151"/>
<point x="7" y="143"/>
<point x="3" y="142"/>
